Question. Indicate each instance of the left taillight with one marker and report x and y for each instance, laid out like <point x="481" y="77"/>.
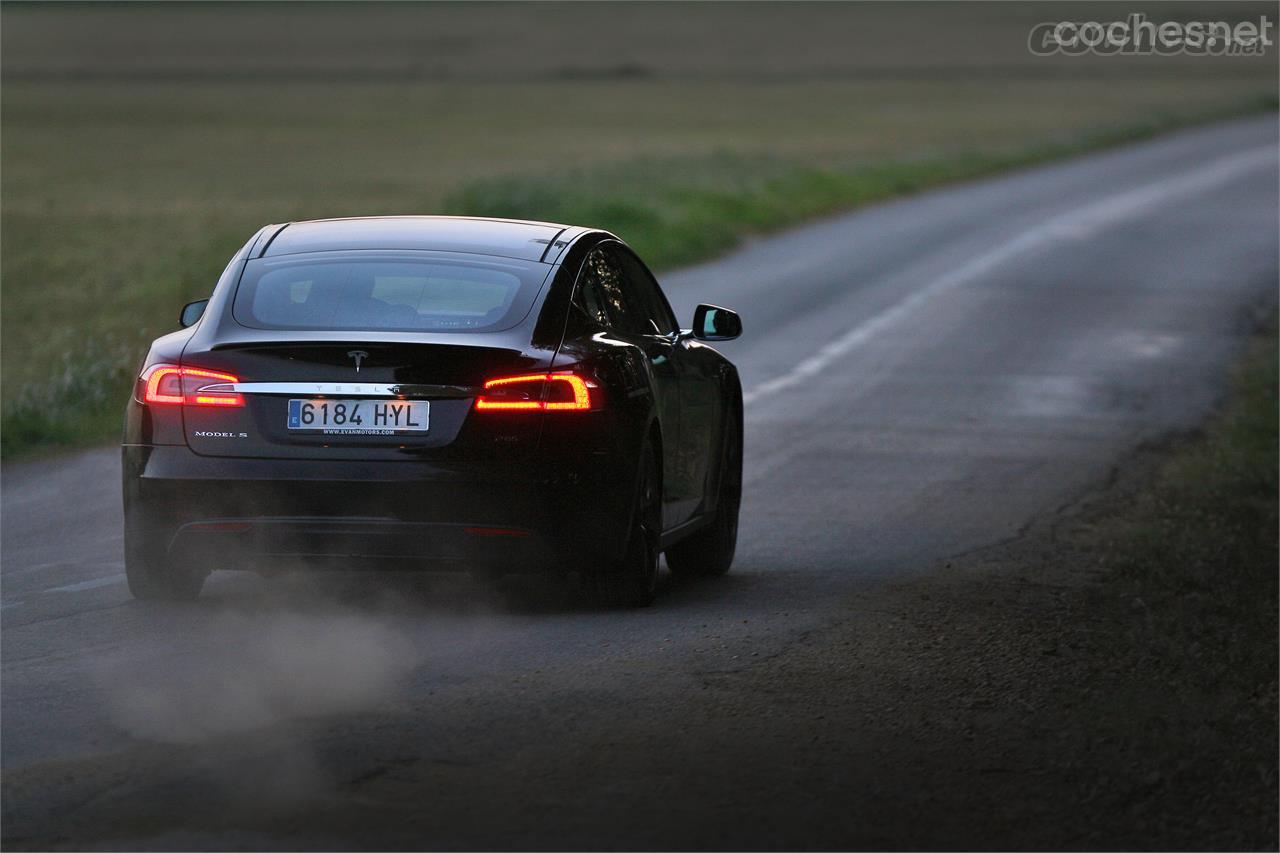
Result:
<point x="174" y="385"/>
<point x="550" y="392"/>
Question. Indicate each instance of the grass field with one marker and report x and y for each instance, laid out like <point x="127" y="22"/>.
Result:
<point x="142" y="145"/>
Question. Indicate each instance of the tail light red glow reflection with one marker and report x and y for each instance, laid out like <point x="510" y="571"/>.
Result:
<point x="169" y="384"/>
<point x="553" y="392"/>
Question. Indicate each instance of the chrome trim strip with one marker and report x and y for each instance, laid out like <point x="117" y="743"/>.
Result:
<point x="321" y="389"/>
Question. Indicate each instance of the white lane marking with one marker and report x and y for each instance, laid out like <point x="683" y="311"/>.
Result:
<point x="96" y="583"/>
<point x="1073" y="225"/>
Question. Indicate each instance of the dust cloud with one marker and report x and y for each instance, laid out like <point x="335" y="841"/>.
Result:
<point x="254" y="670"/>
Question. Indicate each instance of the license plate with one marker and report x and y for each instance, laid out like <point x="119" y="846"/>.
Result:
<point x="359" y="417"/>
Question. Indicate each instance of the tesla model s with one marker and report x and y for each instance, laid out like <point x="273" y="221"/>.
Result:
<point x="489" y="395"/>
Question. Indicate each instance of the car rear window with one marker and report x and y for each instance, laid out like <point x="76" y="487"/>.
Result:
<point x="386" y="293"/>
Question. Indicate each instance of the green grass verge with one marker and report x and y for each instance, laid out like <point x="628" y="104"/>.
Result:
<point x="82" y="403"/>
<point x="680" y="210"/>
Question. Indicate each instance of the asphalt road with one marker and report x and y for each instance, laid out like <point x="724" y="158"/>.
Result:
<point x="923" y="378"/>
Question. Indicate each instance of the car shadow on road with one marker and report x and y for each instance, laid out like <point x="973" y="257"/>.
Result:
<point x="446" y="594"/>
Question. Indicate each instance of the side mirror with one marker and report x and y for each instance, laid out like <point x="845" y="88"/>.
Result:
<point x="192" y="312"/>
<point x="713" y="323"/>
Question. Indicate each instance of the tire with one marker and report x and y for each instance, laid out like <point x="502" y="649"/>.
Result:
<point x="631" y="579"/>
<point x="150" y="574"/>
<point x="709" y="552"/>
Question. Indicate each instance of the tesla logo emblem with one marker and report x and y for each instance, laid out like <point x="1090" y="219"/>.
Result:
<point x="359" y="355"/>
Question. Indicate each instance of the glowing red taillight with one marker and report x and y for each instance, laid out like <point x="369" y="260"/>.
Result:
<point x="552" y="392"/>
<point x="169" y="384"/>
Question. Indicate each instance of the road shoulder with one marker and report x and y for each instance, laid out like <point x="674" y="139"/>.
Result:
<point x="1107" y="679"/>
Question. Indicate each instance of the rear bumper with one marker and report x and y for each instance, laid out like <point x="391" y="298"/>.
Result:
<point x="335" y="543"/>
<point x="231" y="512"/>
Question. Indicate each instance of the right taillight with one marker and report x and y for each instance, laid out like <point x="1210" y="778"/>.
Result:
<point x="552" y="392"/>
<point x="171" y="384"/>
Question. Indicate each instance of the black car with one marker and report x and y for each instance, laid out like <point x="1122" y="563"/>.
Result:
<point x="434" y="392"/>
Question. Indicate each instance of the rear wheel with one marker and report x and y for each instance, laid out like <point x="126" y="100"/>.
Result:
<point x="710" y="551"/>
<point x="150" y="573"/>
<point x="630" y="580"/>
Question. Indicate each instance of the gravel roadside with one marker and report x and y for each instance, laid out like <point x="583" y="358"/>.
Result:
<point x="1105" y="681"/>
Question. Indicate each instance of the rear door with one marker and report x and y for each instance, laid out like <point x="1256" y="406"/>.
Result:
<point x="688" y="465"/>
<point x="612" y="290"/>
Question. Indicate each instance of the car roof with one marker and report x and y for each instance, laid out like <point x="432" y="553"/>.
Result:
<point x="508" y="238"/>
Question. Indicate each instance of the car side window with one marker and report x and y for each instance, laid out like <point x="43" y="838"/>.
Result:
<point x="588" y="297"/>
<point x="603" y="296"/>
<point x="646" y="296"/>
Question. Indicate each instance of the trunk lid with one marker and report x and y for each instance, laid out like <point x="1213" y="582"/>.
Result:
<point x="442" y="371"/>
